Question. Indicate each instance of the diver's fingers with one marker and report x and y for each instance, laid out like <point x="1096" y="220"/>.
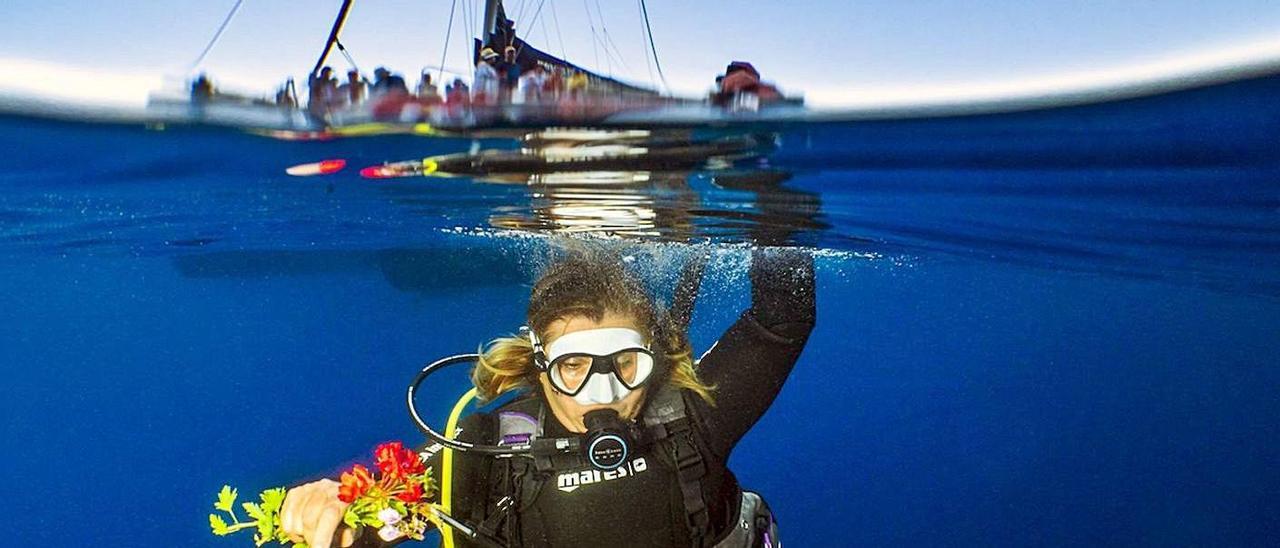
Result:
<point x="290" y="518"/>
<point x="303" y="506"/>
<point x="309" y="508"/>
<point x="346" y="536"/>
<point x="326" y="525"/>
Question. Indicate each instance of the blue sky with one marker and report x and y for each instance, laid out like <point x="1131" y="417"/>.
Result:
<point x="832" y="50"/>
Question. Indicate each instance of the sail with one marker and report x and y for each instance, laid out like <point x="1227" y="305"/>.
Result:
<point x="503" y="34"/>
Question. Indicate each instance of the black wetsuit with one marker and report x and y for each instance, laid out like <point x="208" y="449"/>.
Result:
<point x="747" y="367"/>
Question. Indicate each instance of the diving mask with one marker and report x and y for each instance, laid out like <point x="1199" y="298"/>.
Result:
<point x="596" y="366"/>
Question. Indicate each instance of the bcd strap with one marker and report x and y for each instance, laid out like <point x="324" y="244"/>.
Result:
<point x="520" y="422"/>
<point x="491" y="523"/>
<point x="667" y="423"/>
<point x="690" y="470"/>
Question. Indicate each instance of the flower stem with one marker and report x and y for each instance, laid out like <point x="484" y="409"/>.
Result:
<point x="238" y="526"/>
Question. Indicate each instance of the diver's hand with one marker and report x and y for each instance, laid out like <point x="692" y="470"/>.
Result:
<point x="312" y="513"/>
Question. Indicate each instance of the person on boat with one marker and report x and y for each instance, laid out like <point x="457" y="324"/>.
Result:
<point x="509" y="73"/>
<point x="532" y="85"/>
<point x="322" y="92"/>
<point x="577" y="84"/>
<point x="427" y="91"/>
<point x="457" y="98"/>
<point x="286" y="96"/>
<point x="457" y="93"/>
<point x="600" y="356"/>
<point x="353" y="91"/>
<point x="390" y="98"/>
<point x="742" y="78"/>
<point x="387" y="83"/>
<point x="485" y="88"/>
<point x="553" y="84"/>
<point x="201" y="89"/>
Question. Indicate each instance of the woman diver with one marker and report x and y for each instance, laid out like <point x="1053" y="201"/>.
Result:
<point x="602" y="366"/>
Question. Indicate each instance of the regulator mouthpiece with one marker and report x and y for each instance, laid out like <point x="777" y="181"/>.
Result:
<point x="608" y="440"/>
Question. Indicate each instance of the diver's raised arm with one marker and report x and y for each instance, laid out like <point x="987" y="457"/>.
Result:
<point x="782" y="291"/>
<point x="754" y="357"/>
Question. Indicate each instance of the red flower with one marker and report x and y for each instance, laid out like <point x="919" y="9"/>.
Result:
<point x="395" y="461"/>
<point x="386" y="456"/>
<point x="354" y="483"/>
<point x="412" y="492"/>
<point x="411" y="463"/>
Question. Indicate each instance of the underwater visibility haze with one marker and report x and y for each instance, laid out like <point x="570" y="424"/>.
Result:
<point x="1053" y="327"/>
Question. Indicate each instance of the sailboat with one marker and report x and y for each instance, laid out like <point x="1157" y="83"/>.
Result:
<point x="597" y="99"/>
<point x="1125" y="113"/>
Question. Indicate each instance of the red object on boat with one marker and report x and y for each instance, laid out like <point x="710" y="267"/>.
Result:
<point x="332" y="166"/>
<point x="325" y="167"/>
<point x="378" y="172"/>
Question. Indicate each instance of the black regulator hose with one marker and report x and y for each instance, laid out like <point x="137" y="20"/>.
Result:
<point x="495" y="450"/>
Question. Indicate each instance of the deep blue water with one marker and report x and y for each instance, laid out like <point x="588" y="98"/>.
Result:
<point x="1053" y="328"/>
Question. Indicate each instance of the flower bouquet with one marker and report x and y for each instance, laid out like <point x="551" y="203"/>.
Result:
<point x="394" y="500"/>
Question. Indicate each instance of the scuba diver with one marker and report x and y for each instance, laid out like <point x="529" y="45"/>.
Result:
<point x="635" y="434"/>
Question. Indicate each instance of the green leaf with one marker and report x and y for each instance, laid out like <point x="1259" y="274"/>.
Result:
<point x="265" y="529"/>
<point x="428" y="484"/>
<point x="255" y="512"/>
<point x="272" y="500"/>
<point x="226" y="497"/>
<point x="351" y="518"/>
<point x="219" y="527"/>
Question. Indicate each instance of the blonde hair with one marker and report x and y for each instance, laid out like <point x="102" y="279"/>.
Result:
<point x="588" y="285"/>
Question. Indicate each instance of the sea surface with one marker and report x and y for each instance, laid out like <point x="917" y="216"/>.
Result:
<point x="1053" y="328"/>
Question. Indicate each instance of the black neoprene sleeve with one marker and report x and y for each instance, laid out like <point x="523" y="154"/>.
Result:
<point x="750" y="362"/>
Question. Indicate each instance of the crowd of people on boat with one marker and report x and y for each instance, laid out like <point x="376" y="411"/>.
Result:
<point x="326" y="94"/>
<point x="498" y="80"/>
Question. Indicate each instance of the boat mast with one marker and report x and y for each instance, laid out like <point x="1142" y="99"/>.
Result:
<point x="333" y="34"/>
<point x="490" y="21"/>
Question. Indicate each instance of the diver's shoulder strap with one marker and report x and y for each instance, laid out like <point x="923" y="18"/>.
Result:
<point x="667" y="405"/>
<point x="522" y="422"/>
<point x="668" y="424"/>
<point x="516" y="483"/>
